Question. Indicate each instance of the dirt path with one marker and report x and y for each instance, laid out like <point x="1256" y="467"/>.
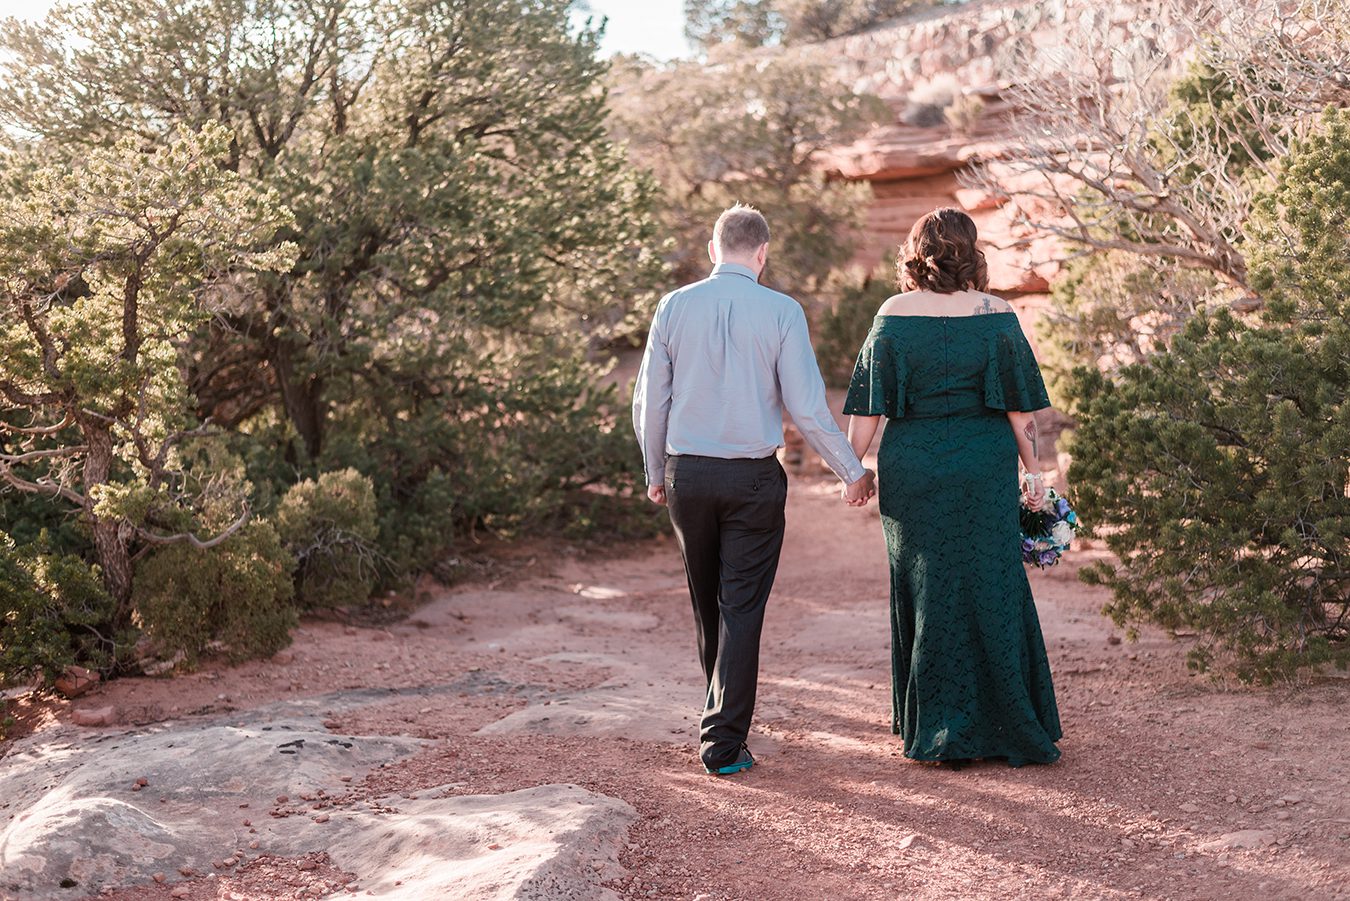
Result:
<point x="584" y="672"/>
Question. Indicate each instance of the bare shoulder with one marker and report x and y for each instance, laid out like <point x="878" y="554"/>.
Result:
<point x="988" y="303"/>
<point x="900" y="304"/>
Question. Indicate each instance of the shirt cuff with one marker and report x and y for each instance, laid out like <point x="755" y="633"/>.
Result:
<point x="853" y="472"/>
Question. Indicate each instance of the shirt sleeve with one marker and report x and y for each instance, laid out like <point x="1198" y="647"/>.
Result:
<point x="651" y="401"/>
<point x="804" y="396"/>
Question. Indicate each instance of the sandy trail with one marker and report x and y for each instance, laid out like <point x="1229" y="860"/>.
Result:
<point x="583" y="671"/>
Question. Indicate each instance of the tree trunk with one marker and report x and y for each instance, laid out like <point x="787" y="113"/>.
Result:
<point x="302" y="397"/>
<point x="114" y="558"/>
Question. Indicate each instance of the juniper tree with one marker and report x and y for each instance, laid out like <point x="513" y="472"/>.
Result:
<point x="1219" y="471"/>
<point x="467" y="234"/>
<point x="102" y="268"/>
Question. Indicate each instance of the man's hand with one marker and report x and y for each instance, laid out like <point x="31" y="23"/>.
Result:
<point x="657" y="494"/>
<point x="861" y="491"/>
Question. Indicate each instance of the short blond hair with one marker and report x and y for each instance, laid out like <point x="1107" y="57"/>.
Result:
<point x="740" y="229"/>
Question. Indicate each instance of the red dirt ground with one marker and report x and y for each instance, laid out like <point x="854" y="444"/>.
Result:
<point x="1156" y="762"/>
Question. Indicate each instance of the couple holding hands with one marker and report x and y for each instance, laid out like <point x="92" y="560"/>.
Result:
<point x="949" y="368"/>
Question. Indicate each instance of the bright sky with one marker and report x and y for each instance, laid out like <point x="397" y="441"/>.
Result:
<point x="24" y="9"/>
<point x="655" y="27"/>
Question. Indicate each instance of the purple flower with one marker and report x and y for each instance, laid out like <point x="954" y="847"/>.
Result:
<point x="1062" y="507"/>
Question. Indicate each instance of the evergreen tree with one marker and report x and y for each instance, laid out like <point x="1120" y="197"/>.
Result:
<point x="467" y="235"/>
<point x="1219" y="472"/>
<point x="749" y="130"/>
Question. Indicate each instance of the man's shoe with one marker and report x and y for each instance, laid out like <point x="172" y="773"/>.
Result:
<point x="743" y="761"/>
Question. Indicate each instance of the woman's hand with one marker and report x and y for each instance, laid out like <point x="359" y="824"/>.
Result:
<point x="1033" y="490"/>
<point x="861" y="491"/>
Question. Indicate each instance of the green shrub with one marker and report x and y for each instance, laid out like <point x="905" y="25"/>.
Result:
<point x="54" y="612"/>
<point x="840" y="331"/>
<point x="1219" y="471"/>
<point x="529" y="443"/>
<point x="1112" y="309"/>
<point x="329" y="527"/>
<point x="236" y="597"/>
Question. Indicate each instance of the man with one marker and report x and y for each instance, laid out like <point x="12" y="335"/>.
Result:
<point x="724" y="357"/>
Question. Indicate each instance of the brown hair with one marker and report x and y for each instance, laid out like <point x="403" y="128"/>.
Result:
<point x="740" y="229"/>
<point x="940" y="255"/>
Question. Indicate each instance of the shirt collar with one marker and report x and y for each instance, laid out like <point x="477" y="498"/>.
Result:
<point x="735" y="269"/>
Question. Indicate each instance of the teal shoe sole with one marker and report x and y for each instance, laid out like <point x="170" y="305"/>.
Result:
<point x="729" y="768"/>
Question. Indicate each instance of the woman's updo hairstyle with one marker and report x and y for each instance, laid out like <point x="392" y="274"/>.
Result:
<point x="940" y="255"/>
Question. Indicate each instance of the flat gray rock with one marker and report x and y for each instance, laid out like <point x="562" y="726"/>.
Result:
<point x="549" y="843"/>
<point x="72" y="821"/>
<point x="623" y="707"/>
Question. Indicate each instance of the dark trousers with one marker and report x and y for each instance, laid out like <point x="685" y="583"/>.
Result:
<point x="728" y="518"/>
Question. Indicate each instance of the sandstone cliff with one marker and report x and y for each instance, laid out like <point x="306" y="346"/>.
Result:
<point x="963" y="53"/>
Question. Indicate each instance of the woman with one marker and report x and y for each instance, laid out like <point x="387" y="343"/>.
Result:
<point x="949" y="368"/>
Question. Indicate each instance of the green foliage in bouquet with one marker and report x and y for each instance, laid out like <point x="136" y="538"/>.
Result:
<point x="329" y="526"/>
<point x="1219" y="472"/>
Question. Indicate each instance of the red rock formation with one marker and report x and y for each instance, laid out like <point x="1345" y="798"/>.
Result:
<point x="969" y="48"/>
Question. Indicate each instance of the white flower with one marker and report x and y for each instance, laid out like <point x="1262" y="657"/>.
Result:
<point x="1061" y="533"/>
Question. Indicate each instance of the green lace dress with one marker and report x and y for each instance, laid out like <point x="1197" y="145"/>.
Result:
<point x="970" y="674"/>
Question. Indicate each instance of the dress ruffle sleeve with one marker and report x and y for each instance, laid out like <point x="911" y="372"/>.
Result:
<point x="1012" y="378"/>
<point x="878" y="387"/>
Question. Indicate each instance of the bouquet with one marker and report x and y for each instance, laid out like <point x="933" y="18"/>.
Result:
<point x="1047" y="531"/>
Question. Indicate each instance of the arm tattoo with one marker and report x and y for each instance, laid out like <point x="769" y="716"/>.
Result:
<point x="1030" y="432"/>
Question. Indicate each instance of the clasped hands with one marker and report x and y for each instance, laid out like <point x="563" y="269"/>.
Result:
<point x="861" y="491"/>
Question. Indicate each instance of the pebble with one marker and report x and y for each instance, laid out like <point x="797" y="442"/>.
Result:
<point x="1188" y="807"/>
<point x="159" y="877"/>
<point x="181" y="892"/>
<point x="1231" y="799"/>
<point x="321" y="818"/>
<point x="1246" y="838"/>
<point x="185" y="870"/>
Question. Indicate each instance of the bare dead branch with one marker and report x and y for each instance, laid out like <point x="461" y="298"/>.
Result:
<point x="201" y="544"/>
